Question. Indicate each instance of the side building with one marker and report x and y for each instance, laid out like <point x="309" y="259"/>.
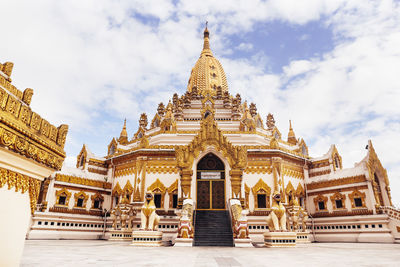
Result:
<point x="31" y="149"/>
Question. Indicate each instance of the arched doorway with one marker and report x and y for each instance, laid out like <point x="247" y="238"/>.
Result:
<point x="210" y="183"/>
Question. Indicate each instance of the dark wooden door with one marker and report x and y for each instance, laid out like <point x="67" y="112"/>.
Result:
<point x="203" y="194"/>
<point x="218" y="194"/>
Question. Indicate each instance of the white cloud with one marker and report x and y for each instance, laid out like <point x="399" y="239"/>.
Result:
<point x="245" y="46"/>
<point x="297" y="67"/>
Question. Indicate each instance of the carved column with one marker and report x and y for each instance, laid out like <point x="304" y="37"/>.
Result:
<point x="186" y="182"/>
<point x="276" y="170"/>
<point x="236" y="182"/>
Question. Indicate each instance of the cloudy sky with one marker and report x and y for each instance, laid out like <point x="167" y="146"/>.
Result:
<point x="330" y="66"/>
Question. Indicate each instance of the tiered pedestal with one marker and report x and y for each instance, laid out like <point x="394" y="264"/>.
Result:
<point x="302" y="238"/>
<point x="119" y="235"/>
<point x="183" y="242"/>
<point x="146" y="238"/>
<point x="243" y="243"/>
<point x="280" y="239"/>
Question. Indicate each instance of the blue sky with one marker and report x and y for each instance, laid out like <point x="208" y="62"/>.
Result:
<point x="329" y="66"/>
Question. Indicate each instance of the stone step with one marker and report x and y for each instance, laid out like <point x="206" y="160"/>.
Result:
<point x="213" y="228"/>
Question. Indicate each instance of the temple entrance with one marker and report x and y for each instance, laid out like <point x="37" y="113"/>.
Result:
<point x="210" y="183"/>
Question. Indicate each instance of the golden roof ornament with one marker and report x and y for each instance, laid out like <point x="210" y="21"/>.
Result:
<point x="291" y="136"/>
<point x="123" y="137"/>
<point x="207" y="75"/>
<point x="206" y="44"/>
<point x="161" y="109"/>
<point x="253" y="109"/>
<point x="143" y="121"/>
<point x="270" y="121"/>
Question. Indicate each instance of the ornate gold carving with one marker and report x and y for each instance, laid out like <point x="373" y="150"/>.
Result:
<point x="62" y="134"/>
<point x="25" y="114"/>
<point x="21" y="183"/>
<point x="336" y="158"/>
<point x="320" y="198"/>
<point x="289" y="189"/>
<point x="300" y="191"/>
<point x="172" y="190"/>
<point x="82" y="181"/>
<point x="374" y="165"/>
<point x="173" y="187"/>
<point x="27" y="96"/>
<point x="80" y="195"/>
<point x="117" y="191"/>
<point x="313" y="174"/>
<point x="340" y="213"/>
<point x="128" y="189"/>
<point x="13" y="106"/>
<point x="35" y="122"/>
<point x="17" y="120"/>
<point x="247" y="123"/>
<point x="211" y="135"/>
<point x="3" y="97"/>
<point x="270" y="122"/>
<point x="99" y="197"/>
<point x="258" y="167"/>
<point x="156" y="121"/>
<point x="6" y="68"/>
<point x="158" y="187"/>
<point x="319" y="164"/>
<point x="343" y="189"/>
<point x="338" y="196"/>
<point x="293" y="171"/>
<point x="186" y="180"/>
<point x="246" y="195"/>
<point x="36" y="152"/>
<point x="261" y="187"/>
<point x="93" y="170"/>
<point x="337" y="182"/>
<point x="11" y="88"/>
<point x="273" y="144"/>
<point x="63" y="192"/>
<point x="357" y="194"/>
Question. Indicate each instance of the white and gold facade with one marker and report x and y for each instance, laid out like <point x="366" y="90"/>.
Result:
<point x="31" y="149"/>
<point x="211" y="147"/>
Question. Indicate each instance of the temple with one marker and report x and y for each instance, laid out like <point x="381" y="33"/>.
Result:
<point x="206" y="156"/>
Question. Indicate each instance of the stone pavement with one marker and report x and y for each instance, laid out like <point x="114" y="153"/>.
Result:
<point x="106" y="253"/>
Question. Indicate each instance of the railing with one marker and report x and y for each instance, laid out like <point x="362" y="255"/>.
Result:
<point x="392" y="212"/>
<point x="76" y="211"/>
<point x="343" y="213"/>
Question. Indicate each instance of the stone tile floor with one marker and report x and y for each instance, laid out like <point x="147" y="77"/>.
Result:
<point x="105" y="253"/>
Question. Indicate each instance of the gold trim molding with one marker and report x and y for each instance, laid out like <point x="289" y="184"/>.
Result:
<point x="82" y="181"/>
<point x="337" y="182"/>
<point x="21" y="183"/>
<point x="25" y="132"/>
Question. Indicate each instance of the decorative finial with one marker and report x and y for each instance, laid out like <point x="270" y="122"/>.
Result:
<point x="123" y="137"/>
<point x="206" y="46"/>
<point x="291" y="136"/>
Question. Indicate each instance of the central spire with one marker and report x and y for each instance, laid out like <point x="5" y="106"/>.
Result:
<point x="206" y="46"/>
<point x="207" y="76"/>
